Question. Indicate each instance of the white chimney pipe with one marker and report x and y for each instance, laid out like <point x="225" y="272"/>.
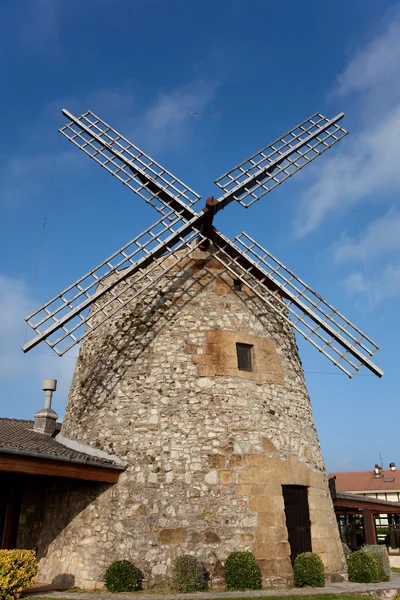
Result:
<point x="46" y="418"/>
<point x="392" y="466"/>
<point x="49" y="386"/>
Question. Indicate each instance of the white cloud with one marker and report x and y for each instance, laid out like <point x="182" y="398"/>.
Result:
<point x="27" y="370"/>
<point x="163" y="125"/>
<point x="381" y="237"/>
<point x="385" y="285"/>
<point x="376" y="65"/>
<point x="366" y="165"/>
<point x="365" y="170"/>
<point x="27" y="176"/>
<point x="170" y="120"/>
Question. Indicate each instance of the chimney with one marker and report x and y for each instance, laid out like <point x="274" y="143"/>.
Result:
<point x="46" y="418"/>
<point x="392" y="466"/>
<point x="377" y="471"/>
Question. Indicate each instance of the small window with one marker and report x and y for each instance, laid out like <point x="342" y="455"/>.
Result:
<point x="244" y="352"/>
<point x="389" y="479"/>
<point x="237" y="285"/>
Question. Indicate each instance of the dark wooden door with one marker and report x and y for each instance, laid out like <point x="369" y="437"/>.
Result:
<point x="297" y="519"/>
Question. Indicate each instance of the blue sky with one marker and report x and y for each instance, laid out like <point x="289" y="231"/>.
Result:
<point x="250" y="72"/>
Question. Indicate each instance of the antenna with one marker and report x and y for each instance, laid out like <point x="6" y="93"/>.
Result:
<point x="85" y="305"/>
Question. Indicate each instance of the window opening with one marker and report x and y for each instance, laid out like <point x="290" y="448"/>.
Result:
<point x="244" y="352"/>
<point x="237" y="285"/>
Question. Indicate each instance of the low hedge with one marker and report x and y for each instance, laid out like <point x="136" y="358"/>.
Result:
<point x="122" y="576"/>
<point x="379" y="553"/>
<point x="188" y="574"/>
<point x="18" y="570"/>
<point x="362" y="567"/>
<point x="241" y="572"/>
<point x="308" y="569"/>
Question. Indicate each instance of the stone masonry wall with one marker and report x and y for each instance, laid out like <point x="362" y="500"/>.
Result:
<point x="208" y="447"/>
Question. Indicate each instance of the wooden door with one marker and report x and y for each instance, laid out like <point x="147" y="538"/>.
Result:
<point x="297" y="519"/>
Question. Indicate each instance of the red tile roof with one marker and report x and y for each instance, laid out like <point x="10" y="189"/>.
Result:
<point x="364" y="481"/>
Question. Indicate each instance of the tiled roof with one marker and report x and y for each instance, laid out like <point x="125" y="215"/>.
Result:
<point x="18" y="436"/>
<point x="364" y="481"/>
<point x="366" y="500"/>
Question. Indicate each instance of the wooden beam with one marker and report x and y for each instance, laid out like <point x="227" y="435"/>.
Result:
<point x="369" y="527"/>
<point x="57" y="468"/>
<point x="206" y="227"/>
<point x="356" y="506"/>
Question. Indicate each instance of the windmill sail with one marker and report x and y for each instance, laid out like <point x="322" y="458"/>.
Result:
<point x="259" y="174"/>
<point x="297" y="303"/>
<point x="78" y="310"/>
<point x="129" y="164"/>
<point x="82" y="307"/>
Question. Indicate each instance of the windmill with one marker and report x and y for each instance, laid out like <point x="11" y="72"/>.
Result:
<point x="189" y="372"/>
<point x="77" y="311"/>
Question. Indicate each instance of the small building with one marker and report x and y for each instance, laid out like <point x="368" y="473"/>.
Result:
<point x="44" y="481"/>
<point x="376" y="483"/>
<point x="367" y="507"/>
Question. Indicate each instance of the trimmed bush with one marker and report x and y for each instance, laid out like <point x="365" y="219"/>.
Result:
<point x="188" y="574"/>
<point x="241" y="572"/>
<point x="308" y="569"/>
<point x="382" y="560"/>
<point x="362" y="567"/>
<point x="122" y="576"/>
<point x="18" y="570"/>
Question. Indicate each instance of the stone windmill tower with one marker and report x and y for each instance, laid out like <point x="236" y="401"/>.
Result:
<point x="189" y="373"/>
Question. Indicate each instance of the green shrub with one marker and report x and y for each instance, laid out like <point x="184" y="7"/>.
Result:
<point x="308" y="569"/>
<point x="241" y="572"/>
<point x="362" y="567"/>
<point x="382" y="560"/>
<point x="122" y="576"/>
<point x="188" y="574"/>
<point x="18" y="570"/>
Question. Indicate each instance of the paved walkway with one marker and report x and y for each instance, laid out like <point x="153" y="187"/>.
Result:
<point x="386" y="589"/>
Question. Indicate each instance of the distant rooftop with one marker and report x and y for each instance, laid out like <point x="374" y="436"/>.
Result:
<point x="364" y="481"/>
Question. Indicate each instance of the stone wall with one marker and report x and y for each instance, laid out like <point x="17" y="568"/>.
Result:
<point x="208" y="446"/>
<point x="33" y="499"/>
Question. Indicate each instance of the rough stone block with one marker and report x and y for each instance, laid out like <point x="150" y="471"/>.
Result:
<point x="270" y="534"/>
<point x="256" y="460"/>
<point x="216" y="461"/>
<point x="210" y="537"/>
<point x="173" y="536"/>
<point x="235" y="460"/>
<point x="227" y="477"/>
<point x="273" y="567"/>
<point x="263" y="504"/>
<point x="254" y="475"/>
<point x="278" y="550"/>
<point x="246" y="538"/>
<point x="243" y="489"/>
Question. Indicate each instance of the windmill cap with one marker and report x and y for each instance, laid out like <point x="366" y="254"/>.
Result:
<point x="49" y="385"/>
